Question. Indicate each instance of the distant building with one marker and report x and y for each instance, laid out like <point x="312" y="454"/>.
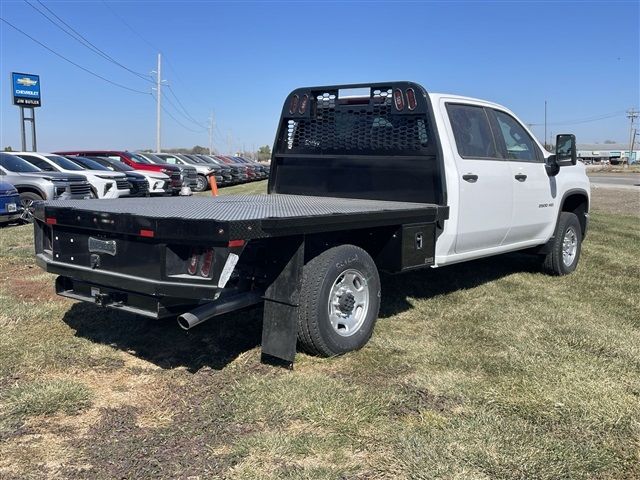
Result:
<point x="613" y="153"/>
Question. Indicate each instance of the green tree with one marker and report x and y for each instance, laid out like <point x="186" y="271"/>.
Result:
<point x="8" y="149"/>
<point x="264" y="153"/>
<point x="198" y="150"/>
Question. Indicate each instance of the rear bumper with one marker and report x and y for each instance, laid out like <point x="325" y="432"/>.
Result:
<point x="10" y="217"/>
<point x="150" y="306"/>
<point x="130" y="283"/>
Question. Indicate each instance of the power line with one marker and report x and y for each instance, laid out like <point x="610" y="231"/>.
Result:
<point x="584" y="120"/>
<point x="174" y="118"/>
<point x="78" y="37"/>
<point x="164" y="95"/>
<point x="177" y="110"/>
<point x="72" y="62"/>
<point x="155" y="49"/>
<point x="166" y="60"/>
<point x="187" y="114"/>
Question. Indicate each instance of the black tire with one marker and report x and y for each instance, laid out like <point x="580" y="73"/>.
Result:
<point x="201" y="184"/>
<point x="27" y="200"/>
<point x="554" y="262"/>
<point x="316" y="334"/>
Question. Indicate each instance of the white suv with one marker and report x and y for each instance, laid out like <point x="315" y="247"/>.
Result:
<point x="103" y="184"/>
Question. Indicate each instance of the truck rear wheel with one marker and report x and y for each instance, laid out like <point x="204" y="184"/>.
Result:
<point x="339" y="301"/>
<point x="567" y="244"/>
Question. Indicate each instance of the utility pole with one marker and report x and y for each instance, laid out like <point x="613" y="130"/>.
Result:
<point x="158" y="106"/>
<point x="229" y="143"/>
<point x="212" y="125"/>
<point x="631" y="115"/>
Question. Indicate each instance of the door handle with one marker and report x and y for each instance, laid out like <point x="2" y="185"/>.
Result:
<point x="521" y="177"/>
<point x="470" y="177"/>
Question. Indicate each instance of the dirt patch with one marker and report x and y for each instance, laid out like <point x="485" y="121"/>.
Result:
<point x="616" y="201"/>
<point x="29" y="283"/>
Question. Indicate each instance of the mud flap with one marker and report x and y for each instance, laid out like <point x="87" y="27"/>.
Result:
<point x="281" y="302"/>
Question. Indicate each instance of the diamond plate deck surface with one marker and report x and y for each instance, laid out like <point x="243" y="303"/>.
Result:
<point x="237" y="207"/>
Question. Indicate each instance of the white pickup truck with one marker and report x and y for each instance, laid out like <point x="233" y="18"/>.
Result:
<point x="364" y="178"/>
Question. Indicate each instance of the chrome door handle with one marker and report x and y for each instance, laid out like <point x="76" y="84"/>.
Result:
<point x="470" y="177"/>
<point x="521" y="177"/>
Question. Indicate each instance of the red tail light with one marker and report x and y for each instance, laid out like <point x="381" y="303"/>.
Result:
<point x="205" y="269"/>
<point x="398" y="99"/>
<point x="412" y="103"/>
<point x="294" y="104"/>
<point x="147" y="233"/>
<point x="304" y="102"/>
<point x="193" y="263"/>
<point x="51" y="221"/>
<point x="236" y="243"/>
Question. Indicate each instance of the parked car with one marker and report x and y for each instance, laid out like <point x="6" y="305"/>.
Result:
<point x="203" y="171"/>
<point x="138" y="184"/>
<point x="248" y="170"/>
<point x="10" y="206"/>
<point x="239" y="172"/>
<point x="225" y="170"/>
<point x="104" y="185"/>
<point x="261" y="171"/>
<point x="139" y="163"/>
<point x="34" y="185"/>
<point x="216" y="168"/>
<point x="188" y="174"/>
<point x="157" y="182"/>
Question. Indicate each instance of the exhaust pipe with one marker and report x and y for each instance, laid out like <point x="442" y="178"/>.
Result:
<point x="209" y="310"/>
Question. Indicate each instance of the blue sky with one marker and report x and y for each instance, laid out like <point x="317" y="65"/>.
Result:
<point x="240" y="59"/>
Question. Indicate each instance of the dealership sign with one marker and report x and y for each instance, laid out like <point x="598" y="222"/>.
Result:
<point x="25" y="89"/>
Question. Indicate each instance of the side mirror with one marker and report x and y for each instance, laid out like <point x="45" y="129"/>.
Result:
<point x="551" y="166"/>
<point x="566" y="149"/>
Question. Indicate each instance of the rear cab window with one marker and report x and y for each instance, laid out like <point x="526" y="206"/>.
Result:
<point x="472" y="131"/>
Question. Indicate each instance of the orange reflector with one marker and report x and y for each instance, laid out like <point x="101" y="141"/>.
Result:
<point x="51" y="221"/>
<point x="236" y="243"/>
<point x="147" y="233"/>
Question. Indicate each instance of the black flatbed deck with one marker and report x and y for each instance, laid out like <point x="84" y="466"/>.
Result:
<point x="235" y="216"/>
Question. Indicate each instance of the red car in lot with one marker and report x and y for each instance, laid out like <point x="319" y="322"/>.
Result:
<point x="135" y="161"/>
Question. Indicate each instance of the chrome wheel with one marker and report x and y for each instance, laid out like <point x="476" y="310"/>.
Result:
<point x="27" y="210"/>
<point x="569" y="246"/>
<point x="201" y="184"/>
<point x="348" y="302"/>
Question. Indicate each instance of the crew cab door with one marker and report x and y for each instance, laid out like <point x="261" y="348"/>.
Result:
<point x="485" y="193"/>
<point x="534" y="191"/>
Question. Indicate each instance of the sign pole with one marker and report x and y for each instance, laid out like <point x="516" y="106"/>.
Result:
<point x="33" y="129"/>
<point x="22" y="132"/>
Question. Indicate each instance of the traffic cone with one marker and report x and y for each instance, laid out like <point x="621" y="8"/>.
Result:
<point x="213" y="185"/>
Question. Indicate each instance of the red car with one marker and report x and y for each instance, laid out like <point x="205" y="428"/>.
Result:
<point x="135" y="161"/>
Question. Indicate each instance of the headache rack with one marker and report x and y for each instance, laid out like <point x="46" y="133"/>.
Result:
<point x="374" y="141"/>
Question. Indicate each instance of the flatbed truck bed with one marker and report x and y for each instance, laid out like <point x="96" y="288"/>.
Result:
<point x="225" y="218"/>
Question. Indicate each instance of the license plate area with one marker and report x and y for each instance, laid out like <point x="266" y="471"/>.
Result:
<point x="12" y="207"/>
<point x="120" y="254"/>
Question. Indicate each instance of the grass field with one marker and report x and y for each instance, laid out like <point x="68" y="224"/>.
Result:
<point x="484" y="370"/>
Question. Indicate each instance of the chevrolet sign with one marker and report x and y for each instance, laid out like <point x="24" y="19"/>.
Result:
<point x="25" y="89"/>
